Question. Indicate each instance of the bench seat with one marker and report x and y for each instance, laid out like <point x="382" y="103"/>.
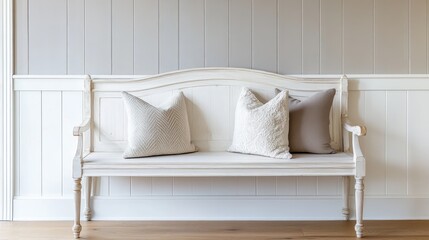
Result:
<point x="211" y="99"/>
<point x="218" y="164"/>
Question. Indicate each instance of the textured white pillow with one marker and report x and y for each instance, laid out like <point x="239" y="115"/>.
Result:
<point x="157" y="131"/>
<point x="259" y="128"/>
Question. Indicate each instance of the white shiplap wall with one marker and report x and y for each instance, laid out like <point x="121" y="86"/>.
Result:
<point x="285" y="36"/>
<point x="395" y="148"/>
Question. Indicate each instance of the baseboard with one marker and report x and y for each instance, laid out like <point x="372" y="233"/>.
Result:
<point x="220" y="208"/>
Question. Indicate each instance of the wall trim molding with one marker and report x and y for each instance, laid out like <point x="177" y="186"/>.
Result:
<point x="6" y="190"/>
<point x="357" y="82"/>
<point x="234" y="208"/>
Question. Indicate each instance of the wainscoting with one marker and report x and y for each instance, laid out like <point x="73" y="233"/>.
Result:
<point x="393" y="107"/>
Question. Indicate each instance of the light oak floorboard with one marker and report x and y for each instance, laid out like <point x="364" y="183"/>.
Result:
<point x="209" y="230"/>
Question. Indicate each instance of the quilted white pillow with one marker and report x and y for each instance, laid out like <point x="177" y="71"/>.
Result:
<point x="261" y="129"/>
<point x="157" y="130"/>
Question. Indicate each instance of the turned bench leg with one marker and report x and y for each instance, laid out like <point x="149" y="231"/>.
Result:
<point x="359" y="192"/>
<point x="346" y="209"/>
<point x="88" y="211"/>
<point x="77" y="198"/>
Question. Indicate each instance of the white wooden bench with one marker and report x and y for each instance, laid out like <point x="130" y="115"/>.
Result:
<point x="102" y="135"/>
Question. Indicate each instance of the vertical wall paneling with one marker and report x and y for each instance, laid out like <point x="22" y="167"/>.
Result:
<point x="30" y="155"/>
<point x="417" y="36"/>
<point x="162" y="186"/>
<point x="418" y="150"/>
<point x="47" y="36"/>
<point x="120" y="186"/>
<point x="391" y="36"/>
<point x="191" y="33"/>
<point x="396" y="142"/>
<point x="311" y="36"/>
<point x="182" y="186"/>
<point x="331" y="36"/>
<point x="328" y="186"/>
<point x="146" y="36"/>
<point x="358" y="36"/>
<point x="240" y="33"/>
<point x="286" y="186"/>
<point x="122" y="20"/>
<point x="242" y="186"/>
<point x="98" y="37"/>
<point x="427" y="37"/>
<point x="307" y="186"/>
<point x="1" y="95"/>
<point x="266" y="186"/>
<point x="75" y="37"/>
<point x="72" y="116"/>
<point x="264" y="35"/>
<point x="51" y="143"/>
<point x="21" y="37"/>
<point x="289" y="36"/>
<point x="218" y="98"/>
<point x="1" y="50"/>
<point x="141" y="186"/>
<point x="357" y="107"/>
<point x="374" y="147"/>
<point x="216" y="30"/>
<point x="199" y="130"/>
<point x="102" y="186"/>
<point x="17" y="143"/>
<point x="168" y="35"/>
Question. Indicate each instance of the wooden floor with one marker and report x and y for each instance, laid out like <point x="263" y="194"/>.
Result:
<point x="253" y="230"/>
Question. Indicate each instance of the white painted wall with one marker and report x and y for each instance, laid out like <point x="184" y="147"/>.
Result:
<point x="289" y="37"/>
<point x="395" y="148"/>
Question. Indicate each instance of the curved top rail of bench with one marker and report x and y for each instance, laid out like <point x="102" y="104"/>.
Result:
<point x="214" y="76"/>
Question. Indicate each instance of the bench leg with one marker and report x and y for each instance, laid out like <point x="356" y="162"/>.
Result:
<point x="359" y="192"/>
<point x="88" y="211"/>
<point x="77" y="198"/>
<point x="346" y="209"/>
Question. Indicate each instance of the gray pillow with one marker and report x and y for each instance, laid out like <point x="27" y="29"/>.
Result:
<point x="309" y="123"/>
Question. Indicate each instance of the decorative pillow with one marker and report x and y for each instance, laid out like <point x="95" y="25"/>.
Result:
<point x="261" y="129"/>
<point x="157" y="131"/>
<point x="309" y="123"/>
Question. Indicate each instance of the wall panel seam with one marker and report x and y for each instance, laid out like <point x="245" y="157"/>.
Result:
<point x="374" y="36"/>
<point x="409" y="31"/>
<point x="67" y="36"/>
<point x="41" y="143"/>
<point x="62" y="145"/>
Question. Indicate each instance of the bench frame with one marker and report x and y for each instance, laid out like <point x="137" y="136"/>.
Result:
<point x="85" y="130"/>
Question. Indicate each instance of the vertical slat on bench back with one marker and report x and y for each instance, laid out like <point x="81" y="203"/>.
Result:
<point x="211" y="98"/>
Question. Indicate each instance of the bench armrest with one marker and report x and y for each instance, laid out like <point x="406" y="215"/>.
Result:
<point x="355" y="129"/>
<point x="83" y="127"/>
<point x="358" y="157"/>
<point x="77" y="160"/>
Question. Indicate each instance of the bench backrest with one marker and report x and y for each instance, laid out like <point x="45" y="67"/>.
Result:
<point x="211" y="95"/>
